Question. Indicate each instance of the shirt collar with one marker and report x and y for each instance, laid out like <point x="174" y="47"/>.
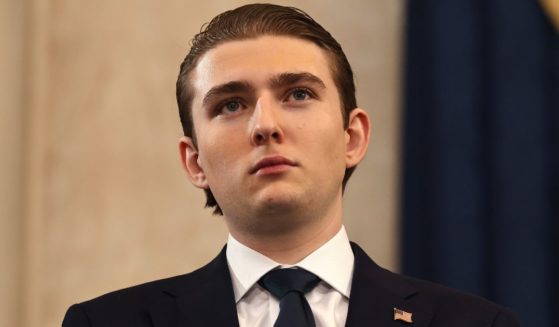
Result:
<point x="332" y="262"/>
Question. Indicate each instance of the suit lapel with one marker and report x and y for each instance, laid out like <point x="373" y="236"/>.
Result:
<point x="202" y="298"/>
<point x="375" y="293"/>
<point x="164" y="311"/>
<point x="210" y="305"/>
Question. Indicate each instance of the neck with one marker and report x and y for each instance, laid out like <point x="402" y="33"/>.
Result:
<point x="289" y="246"/>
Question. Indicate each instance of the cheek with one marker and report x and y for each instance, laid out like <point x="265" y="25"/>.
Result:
<point x="209" y="153"/>
<point x="328" y="131"/>
<point x="326" y="143"/>
<point x="218" y="154"/>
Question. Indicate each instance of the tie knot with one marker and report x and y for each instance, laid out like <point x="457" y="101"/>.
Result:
<point x="280" y="282"/>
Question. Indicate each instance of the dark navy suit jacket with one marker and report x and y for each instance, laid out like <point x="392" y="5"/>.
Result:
<point x="205" y="298"/>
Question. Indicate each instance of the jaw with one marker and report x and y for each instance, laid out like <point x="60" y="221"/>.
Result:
<point x="283" y="208"/>
<point x="287" y="236"/>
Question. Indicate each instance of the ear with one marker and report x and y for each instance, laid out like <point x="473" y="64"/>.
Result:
<point x="357" y="137"/>
<point x="191" y="163"/>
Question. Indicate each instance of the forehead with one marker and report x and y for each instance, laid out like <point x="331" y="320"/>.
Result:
<point x="258" y="59"/>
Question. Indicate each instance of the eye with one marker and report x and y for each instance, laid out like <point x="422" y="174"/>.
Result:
<point x="232" y="106"/>
<point x="229" y="107"/>
<point x="300" y="94"/>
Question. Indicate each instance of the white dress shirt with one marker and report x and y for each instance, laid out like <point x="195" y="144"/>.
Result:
<point x="332" y="262"/>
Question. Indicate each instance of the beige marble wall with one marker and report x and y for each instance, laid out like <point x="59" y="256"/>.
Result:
<point x="11" y="173"/>
<point x="105" y="203"/>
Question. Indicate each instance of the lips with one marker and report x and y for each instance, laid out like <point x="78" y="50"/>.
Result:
<point x="270" y="162"/>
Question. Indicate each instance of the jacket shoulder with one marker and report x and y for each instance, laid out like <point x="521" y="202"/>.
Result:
<point x="460" y="308"/>
<point x="437" y="304"/>
<point x="131" y="305"/>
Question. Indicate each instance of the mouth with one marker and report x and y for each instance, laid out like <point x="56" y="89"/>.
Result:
<point x="272" y="165"/>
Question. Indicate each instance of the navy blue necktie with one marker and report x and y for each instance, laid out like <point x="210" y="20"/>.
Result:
<point x="289" y="287"/>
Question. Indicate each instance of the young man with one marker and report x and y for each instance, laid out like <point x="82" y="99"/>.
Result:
<point x="272" y="134"/>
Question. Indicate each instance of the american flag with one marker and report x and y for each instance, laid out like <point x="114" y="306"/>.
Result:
<point x="402" y="315"/>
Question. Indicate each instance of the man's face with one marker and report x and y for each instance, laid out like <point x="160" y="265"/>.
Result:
<point x="269" y="129"/>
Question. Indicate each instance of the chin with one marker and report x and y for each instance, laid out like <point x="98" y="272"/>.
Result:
<point x="278" y="203"/>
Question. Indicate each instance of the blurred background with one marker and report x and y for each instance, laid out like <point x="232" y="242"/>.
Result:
<point x="460" y="184"/>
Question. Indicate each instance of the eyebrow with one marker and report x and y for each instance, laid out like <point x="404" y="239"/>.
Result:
<point x="227" y="88"/>
<point x="286" y="79"/>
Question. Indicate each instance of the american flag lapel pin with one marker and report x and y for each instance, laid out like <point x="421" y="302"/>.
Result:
<point x="402" y="315"/>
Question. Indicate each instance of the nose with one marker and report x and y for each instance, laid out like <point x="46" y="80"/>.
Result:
<point x="264" y="125"/>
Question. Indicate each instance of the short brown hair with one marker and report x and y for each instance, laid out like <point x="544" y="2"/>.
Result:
<point x="251" y="21"/>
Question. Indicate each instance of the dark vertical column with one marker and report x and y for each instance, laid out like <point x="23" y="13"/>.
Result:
<point x="481" y="146"/>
